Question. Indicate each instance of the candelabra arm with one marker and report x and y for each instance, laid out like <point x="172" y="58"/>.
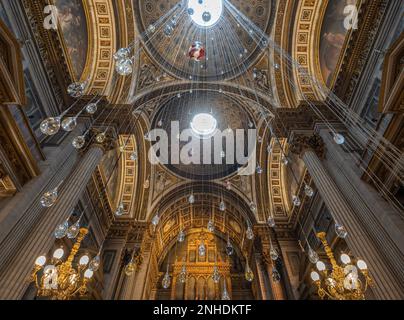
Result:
<point x="322" y="236"/>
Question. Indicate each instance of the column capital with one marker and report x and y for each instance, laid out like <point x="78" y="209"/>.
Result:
<point x="302" y="143"/>
<point x="107" y="144"/>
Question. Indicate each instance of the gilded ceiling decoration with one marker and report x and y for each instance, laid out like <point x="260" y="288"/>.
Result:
<point x="169" y="52"/>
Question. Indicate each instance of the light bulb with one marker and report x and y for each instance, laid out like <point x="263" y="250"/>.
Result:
<point x="273" y="254"/>
<point x="222" y="206"/>
<point x="61" y="230"/>
<point x="362" y="265"/>
<point x="91" y="108"/>
<point x="315" y="276"/>
<point x="73" y="230"/>
<point x="276" y="276"/>
<point x="69" y="124"/>
<point x="76" y="89"/>
<point x="339" y="139"/>
<point x="100" y="138"/>
<point x="340" y="231"/>
<point x="182" y="277"/>
<point x="166" y="281"/>
<point x="49" y="198"/>
<point x="50" y="126"/>
<point x="84" y="260"/>
<point x="285" y="160"/>
<point x="191" y="199"/>
<point x="308" y="191"/>
<point x="156" y="220"/>
<point x="253" y="207"/>
<point x="95" y="263"/>
<point x="229" y="248"/>
<point x="40" y="261"/>
<point x="249" y="275"/>
<point x="124" y="67"/>
<point x="250" y="233"/>
<point x="130" y="269"/>
<point x="345" y="259"/>
<point x="79" y="142"/>
<point x="271" y="222"/>
<point x="211" y="226"/>
<point x="202" y="250"/>
<point x="181" y="236"/>
<point x="313" y="256"/>
<point x="134" y="156"/>
<point x="121" y="54"/>
<point x="228" y="185"/>
<point x="58" y="254"/>
<point x="120" y="210"/>
<point x="320" y="266"/>
<point x="259" y="169"/>
<point x="296" y="201"/>
<point x="88" y="274"/>
<point x="215" y="275"/>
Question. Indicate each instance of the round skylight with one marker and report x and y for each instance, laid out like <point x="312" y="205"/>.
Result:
<point x="204" y="125"/>
<point x="205" y="13"/>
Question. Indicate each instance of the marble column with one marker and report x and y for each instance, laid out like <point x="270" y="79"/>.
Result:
<point x="278" y="292"/>
<point x="261" y="277"/>
<point x="13" y="278"/>
<point x="388" y="284"/>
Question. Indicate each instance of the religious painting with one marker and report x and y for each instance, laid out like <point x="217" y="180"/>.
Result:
<point x="73" y="27"/>
<point x="333" y="34"/>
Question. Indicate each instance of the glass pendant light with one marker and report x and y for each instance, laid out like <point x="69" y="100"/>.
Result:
<point x="124" y="67"/>
<point x="296" y="201"/>
<point x="229" y="247"/>
<point x="249" y="275"/>
<point x="181" y="236"/>
<point x="340" y="231"/>
<point x="92" y="108"/>
<point x="120" y="210"/>
<point x="339" y="139"/>
<point x="76" y="89"/>
<point x="271" y="222"/>
<point x="73" y="230"/>
<point x="182" y="277"/>
<point x="130" y="269"/>
<point x="50" y="126"/>
<point x="308" y="191"/>
<point x="61" y="230"/>
<point x="273" y="253"/>
<point x="156" y="220"/>
<point x="313" y="256"/>
<point x="134" y="156"/>
<point x="225" y="294"/>
<point x="276" y="276"/>
<point x="191" y="199"/>
<point x="100" y="138"/>
<point x="121" y="54"/>
<point x="211" y="226"/>
<point x="202" y="249"/>
<point x="250" y="233"/>
<point x="166" y="280"/>
<point x="253" y="207"/>
<point x="95" y="263"/>
<point x="222" y="206"/>
<point x="49" y="198"/>
<point x="69" y="124"/>
<point x="79" y="142"/>
<point x="216" y="274"/>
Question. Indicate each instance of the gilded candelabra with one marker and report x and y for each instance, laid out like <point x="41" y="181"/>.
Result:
<point x="60" y="280"/>
<point x="343" y="282"/>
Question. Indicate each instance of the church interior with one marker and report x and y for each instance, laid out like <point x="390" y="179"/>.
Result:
<point x="201" y="150"/>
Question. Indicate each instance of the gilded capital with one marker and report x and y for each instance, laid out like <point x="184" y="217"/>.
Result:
<point x="302" y="143"/>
